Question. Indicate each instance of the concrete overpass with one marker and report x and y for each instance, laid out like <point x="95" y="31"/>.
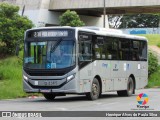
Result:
<point x="47" y="12"/>
<point x="95" y="7"/>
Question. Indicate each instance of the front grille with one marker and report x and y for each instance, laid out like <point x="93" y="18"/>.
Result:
<point x="57" y="72"/>
<point x="45" y="74"/>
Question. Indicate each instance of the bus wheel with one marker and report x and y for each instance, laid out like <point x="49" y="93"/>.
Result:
<point x="95" y="90"/>
<point x="49" y="96"/>
<point x="130" y="88"/>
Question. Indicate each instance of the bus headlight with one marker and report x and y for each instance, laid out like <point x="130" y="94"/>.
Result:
<point x="25" y="77"/>
<point x="70" y="77"/>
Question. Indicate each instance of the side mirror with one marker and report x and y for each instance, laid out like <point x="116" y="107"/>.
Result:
<point x="17" y="49"/>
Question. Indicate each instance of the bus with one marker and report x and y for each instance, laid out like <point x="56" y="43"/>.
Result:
<point x="83" y="60"/>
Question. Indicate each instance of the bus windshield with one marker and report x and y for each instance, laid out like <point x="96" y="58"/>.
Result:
<point x="56" y="54"/>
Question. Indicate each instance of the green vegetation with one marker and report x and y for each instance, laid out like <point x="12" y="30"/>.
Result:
<point x="134" y="20"/>
<point x="12" y="27"/>
<point x="152" y="63"/>
<point x="153" y="71"/>
<point x="154" y="80"/>
<point x="153" y="39"/>
<point x="11" y="78"/>
<point x="70" y="18"/>
<point x="158" y="44"/>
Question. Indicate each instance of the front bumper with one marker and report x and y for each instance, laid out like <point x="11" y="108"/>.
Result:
<point x="54" y="84"/>
<point x="69" y="87"/>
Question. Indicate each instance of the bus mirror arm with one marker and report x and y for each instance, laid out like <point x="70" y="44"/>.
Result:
<point x="17" y="50"/>
<point x="79" y="61"/>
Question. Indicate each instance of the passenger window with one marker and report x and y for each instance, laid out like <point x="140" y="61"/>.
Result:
<point x="85" y="51"/>
<point x="112" y="48"/>
<point x="135" y="50"/>
<point x="85" y="47"/>
<point x="97" y="51"/>
<point x="124" y="49"/>
<point x="143" y="51"/>
<point x="98" y="47"/>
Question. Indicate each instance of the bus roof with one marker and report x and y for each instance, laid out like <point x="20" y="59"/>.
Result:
<point x="111" y="32"/>
<point x="97" y="31"/>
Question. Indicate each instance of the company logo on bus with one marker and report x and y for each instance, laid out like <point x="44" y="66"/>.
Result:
<point x="104" y="65"/>
<point x="115" y="67"/>
<point x="142" y="99"/>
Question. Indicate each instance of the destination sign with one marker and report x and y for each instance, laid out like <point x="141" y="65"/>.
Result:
<point x="51" y="33"/>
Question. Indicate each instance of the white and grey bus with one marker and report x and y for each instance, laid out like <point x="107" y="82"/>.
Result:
<point x="81" y="60"/>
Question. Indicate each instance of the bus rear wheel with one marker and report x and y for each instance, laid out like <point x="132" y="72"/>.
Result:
<point x="95" y="90"/>
<point x="130" y="89"/>
<point x="49" y="96"/>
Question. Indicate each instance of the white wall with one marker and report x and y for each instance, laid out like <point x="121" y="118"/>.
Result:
<point x="49" y="17"/>
<point x="94" y="21"/>
<point x="32" y="15"/>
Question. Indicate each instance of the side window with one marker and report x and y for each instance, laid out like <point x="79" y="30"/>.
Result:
<point x="143" y="50"/>
<point x="112" y="48"/>
<point x="105" y="48"/>
<point x="85" y="47"/>
<point x="98" y="47"/>
<point x="135" y="47"/>
<point x="124" y="49"/>
<point x="85" y="51"/>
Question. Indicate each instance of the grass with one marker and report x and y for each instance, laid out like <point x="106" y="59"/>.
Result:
<point x="153" y="39"/>
<point x="158" y="44"/>
<point x="154" y="80"/>
<point x="11" y="78"/>
<point x="11" y="85"/>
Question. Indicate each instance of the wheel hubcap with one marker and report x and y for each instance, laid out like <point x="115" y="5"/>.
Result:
<point x="130" y="86"/>
<point x="95" y="89"/>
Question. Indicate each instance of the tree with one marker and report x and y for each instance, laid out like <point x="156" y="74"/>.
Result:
<point x="12" y="27"/>
<point x="140" y="21"/>
<point x="134" y="20"/>
<point x="152" y="63"/>
<point x="70" y="18"/>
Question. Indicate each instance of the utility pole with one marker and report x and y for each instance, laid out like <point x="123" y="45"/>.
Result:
<point x="104" y="13"/>
<point x="23" y="9"/>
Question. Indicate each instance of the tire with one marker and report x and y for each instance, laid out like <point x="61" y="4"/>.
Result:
<point x="95" y="90"/>
<point x="49" y="96"/>
<point x="130" y="89"/>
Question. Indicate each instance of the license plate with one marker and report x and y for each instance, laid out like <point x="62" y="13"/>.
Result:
<point x="50" y="83"/>
<point x="45" y="90"/>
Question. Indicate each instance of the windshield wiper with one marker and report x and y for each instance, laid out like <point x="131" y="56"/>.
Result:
<point x="55" y="46"/>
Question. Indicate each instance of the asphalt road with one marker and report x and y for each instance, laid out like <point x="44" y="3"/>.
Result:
<point x="108" y="102"/>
